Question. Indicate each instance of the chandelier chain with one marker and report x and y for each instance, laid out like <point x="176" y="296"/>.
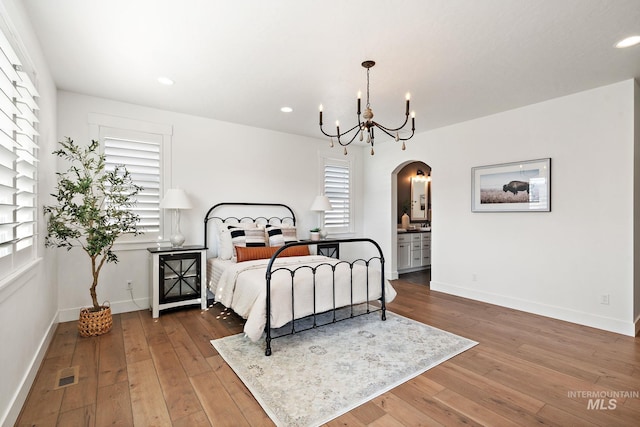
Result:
<point x="368" y="105"/>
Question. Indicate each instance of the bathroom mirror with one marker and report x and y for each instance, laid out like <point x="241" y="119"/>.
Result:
<point x="419" y="198"/>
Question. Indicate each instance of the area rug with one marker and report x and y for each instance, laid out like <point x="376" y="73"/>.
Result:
<point x="317" y="375"/>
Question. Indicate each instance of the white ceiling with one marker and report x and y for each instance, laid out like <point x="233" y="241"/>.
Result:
<point x="240" y="61"/>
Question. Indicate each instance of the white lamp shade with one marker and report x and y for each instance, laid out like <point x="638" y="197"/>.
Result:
<point x="321" y="203"/>
<point x="175" y="198"/>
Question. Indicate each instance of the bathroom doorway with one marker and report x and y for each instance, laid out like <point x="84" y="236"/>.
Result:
<point x="413" y="195"/>
<point x="413" y="222"/>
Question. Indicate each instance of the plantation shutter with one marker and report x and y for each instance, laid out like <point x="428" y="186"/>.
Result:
<point x="142" y="160"/>
<point x="18" y="162"/>
<point x="337" y="187"/>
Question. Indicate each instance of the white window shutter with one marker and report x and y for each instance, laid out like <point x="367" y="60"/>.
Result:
<point x="18" y="162"/>
<point x="337" y="187"/>
<point x="142" y="160"/>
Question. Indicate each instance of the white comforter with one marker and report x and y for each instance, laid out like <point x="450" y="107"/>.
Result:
<point x="242" y="287"/>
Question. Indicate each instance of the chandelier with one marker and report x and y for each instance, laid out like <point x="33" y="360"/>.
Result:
<point x="367" y="124"/>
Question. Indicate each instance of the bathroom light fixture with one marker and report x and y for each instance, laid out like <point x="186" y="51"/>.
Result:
<point x="421" y="176"/>
<point x="367" y="124"/>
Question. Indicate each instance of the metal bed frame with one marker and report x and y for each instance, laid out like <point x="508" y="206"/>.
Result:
<point x="368" y="307"/>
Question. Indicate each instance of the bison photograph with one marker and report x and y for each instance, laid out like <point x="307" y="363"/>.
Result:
<point x="515" y="186"/>
<point x="503" y="188"/>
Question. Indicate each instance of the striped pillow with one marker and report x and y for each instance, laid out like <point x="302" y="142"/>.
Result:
<point x="247" y="237"/>
<point x="225" y="245"/>
<point x="279" y="235"/>
<point x="274" y="234"/>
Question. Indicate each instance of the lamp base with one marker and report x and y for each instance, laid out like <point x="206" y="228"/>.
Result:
<point x="177" y="240"/>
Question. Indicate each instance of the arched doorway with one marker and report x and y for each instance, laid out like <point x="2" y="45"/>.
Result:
<point x="412" y="216"/>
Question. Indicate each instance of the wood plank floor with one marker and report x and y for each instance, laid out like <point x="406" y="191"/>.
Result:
<point x="527" y="370"/>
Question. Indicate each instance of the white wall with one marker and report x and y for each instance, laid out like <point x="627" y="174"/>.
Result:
<point x="213" y="162"/>
<point x="556" y="264"/>
<point x="636" y="203"/>
<point x="28" y="303"/>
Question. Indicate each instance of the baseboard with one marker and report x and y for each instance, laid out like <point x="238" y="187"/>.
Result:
<point x="71" y="314"/>
<point x="20" y="397"/>
<point x="560" y="313"/>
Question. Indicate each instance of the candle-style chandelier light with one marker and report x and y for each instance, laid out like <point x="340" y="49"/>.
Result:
<point x="368" y="124"/>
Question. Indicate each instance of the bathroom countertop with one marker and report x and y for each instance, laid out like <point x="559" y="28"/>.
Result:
<point x="417" y="230"/>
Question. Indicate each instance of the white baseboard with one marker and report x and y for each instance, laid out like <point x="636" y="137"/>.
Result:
<point x="20" y="396"/>
<point x="71" y="314"/>
<point x="560" y="313"/>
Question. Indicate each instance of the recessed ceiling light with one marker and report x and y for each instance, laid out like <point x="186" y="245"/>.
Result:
<point x="286" y="109"/>
<point x="165" y="81"/>
<point x="628" y="42"/>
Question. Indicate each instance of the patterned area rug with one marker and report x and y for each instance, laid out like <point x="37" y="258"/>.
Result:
<point x="320" y="374"/>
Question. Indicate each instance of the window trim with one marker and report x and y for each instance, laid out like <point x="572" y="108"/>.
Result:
<point x="98" y="122"/>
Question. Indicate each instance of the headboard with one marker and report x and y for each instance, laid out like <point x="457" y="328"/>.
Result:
<point x="239" y="212"/>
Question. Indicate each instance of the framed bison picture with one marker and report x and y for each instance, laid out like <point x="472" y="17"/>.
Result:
<point x="512" y="187"/>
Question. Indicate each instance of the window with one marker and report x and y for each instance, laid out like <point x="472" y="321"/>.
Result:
<point x="142" y="147"/>
<point x="18" y="162"/>
<point x="337" y="187"/>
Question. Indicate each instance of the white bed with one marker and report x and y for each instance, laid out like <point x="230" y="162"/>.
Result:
<point x="245" y="246"/>
<point x="241" y="287"/>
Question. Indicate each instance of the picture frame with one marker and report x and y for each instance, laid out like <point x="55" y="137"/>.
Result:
<point x="512" y="187"/>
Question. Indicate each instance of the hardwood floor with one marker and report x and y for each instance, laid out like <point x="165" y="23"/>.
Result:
<point x="527" y="370"/>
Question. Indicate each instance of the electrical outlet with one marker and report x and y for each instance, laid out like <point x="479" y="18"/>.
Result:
<point x="604" y="299"/>
<point x="129" y="285"/>
<point x="474" y="277"/>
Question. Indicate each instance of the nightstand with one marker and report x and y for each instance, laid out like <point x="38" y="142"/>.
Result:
<point x="328" y="248"/>
<point x="177" y="277"/>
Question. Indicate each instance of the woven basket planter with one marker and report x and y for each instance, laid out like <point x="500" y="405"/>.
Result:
<point x="94" y="323"/>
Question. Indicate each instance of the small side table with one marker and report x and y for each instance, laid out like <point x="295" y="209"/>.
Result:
<point x="177" y="277"/>
<point x="329" y="248"/>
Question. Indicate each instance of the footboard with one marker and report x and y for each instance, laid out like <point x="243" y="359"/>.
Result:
<point x="330" y="290"/>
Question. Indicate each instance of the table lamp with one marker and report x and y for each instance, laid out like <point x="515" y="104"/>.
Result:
<point x="177" y="200"/>
<point x="321" y="204"/>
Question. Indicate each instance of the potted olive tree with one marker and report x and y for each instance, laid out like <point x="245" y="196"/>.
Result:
<point x="92" y="210"/>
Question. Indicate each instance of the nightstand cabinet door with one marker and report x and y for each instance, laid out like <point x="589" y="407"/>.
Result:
<point x="179" y="277"/>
